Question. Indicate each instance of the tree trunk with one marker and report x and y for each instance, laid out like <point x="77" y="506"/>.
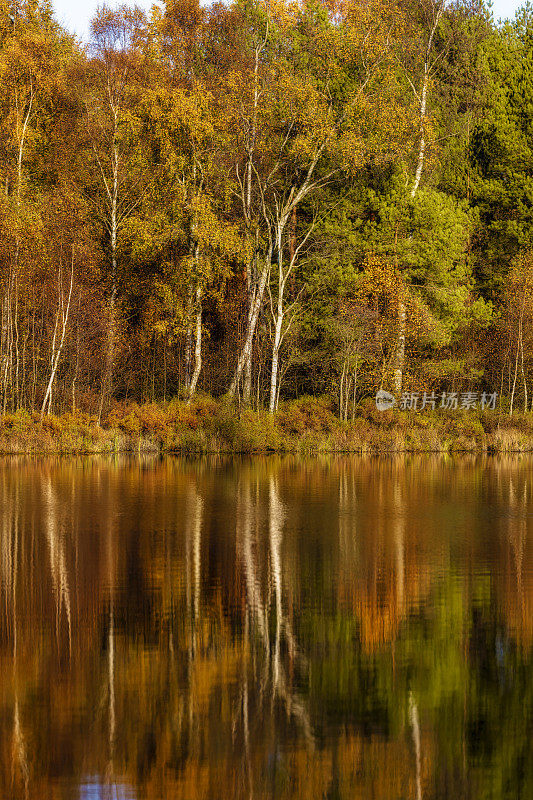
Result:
<point x="423" y="97"/>
<point x="253" y="317"/>
<point x="251" y="267"/>
<point x="400" y="347"/>
<point x="108" y="378"/>
<point x="107" y="381"/>
<point x="422" y="143"/>
<point x="275" y="358"/>
<point x="514" y="379"/>
<point x="247" y="369"/>
<point x="188" y="342"/>
<point x="400" y="350"/>
<point x="522" y="367"/>
<point x="247" y="378"/>
<point x="77" y="363"/>
<point x="197" y="346"/>
<point x="62" y="314"/>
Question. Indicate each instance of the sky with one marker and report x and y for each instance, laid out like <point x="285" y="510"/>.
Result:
<point x="75" y="15"/>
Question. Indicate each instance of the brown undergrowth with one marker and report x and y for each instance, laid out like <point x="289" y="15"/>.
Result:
<point x="307" y="425"/>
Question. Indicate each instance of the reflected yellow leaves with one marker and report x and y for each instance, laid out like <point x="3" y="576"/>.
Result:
<point x="253" y="628"/>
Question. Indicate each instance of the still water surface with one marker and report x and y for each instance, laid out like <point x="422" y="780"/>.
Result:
<point x="267" y="628"/>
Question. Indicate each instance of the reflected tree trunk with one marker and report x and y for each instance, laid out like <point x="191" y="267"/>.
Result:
<point x="517" y="532"/>
<point x="111" y="681"/>
<point x="399" y="543"/>
<point x="415" y="729"/>
<point x="294" y="706"/>
<point x="244" y="538"/>
<point x="275" y="529"/>
<point x="19" y="745"/>
<point x="112" y="723"/>
<point x="58" y="563"/>
<point x="193" y="541"/>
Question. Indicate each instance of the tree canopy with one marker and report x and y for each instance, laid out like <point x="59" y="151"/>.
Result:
<point x="210" y="198"/>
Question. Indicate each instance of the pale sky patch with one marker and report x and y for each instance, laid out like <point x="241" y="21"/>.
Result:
<point x="75" y="15"/>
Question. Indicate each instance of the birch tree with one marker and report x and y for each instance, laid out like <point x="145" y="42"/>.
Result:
<point x="121" y="177"/>
<point x="60" y="329"/>
<point x="305" y="128"/>
<point x="432" y="14"/>
<point x="282" y="314"/>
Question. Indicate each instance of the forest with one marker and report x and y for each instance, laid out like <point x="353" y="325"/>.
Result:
<point x="263" y="201"/>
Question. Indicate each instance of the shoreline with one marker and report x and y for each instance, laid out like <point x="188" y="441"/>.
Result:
<point x="306" y="426"/>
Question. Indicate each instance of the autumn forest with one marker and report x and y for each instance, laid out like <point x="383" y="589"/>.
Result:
<point x="265" y="200"/>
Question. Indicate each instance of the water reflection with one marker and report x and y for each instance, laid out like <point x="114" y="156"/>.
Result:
<point x="276" y="628"/>
<point x="99" y="789"/>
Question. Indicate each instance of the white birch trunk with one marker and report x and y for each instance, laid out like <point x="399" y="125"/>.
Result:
<point x="253" y="317"/>
<point x="400" y="349"/>
<point x="63" y="315"/>
<point x="251" y="266"/>
<point x="400" y="346"/>
<point x="188" y="344"/>
<point x="197" y="345"/>
<point x="422" y="143"/>
<point x="107" y="382"/>
<point x="275" y="356"/>
<point x="283" y="210"/>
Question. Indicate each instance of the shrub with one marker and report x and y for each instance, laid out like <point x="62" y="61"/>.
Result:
<point x="297" y="417"/>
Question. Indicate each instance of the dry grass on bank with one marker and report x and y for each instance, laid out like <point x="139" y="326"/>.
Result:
<point x="307" y="425"/>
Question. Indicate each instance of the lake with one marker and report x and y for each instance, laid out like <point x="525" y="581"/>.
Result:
<point x="266" y="628"/>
